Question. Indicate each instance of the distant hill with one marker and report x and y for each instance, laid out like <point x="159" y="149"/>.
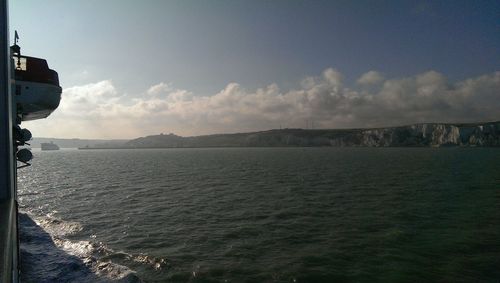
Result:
<point x="419" y="135"/>
<point x="74" y="143"/>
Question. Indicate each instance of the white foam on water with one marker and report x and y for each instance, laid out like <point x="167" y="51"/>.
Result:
<point x="156" y="263"/>
<point x="48" y="256"/>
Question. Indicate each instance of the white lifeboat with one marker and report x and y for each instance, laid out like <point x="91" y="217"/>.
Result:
<point x="37" y="91"/>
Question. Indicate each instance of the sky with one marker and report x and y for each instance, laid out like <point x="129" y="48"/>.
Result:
<point x="137" y="68"/>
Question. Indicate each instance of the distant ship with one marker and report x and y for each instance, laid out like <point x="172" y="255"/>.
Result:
<point x="49" y="146"/>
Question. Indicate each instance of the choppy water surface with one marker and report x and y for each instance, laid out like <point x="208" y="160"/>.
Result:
<point x="273" y="214"/>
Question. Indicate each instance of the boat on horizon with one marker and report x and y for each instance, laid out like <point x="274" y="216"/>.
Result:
<point x="49" y="146"/>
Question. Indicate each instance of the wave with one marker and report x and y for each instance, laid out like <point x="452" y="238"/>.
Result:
<point x="48" y="256"/>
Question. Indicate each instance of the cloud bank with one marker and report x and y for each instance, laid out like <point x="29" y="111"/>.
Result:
<point x="98" y="110"/>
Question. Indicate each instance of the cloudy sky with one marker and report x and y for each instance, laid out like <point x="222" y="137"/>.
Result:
<point x="135" y="68"/>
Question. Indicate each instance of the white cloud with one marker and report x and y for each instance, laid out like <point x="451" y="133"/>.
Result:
<point x="371" y="78"/>
<point x="159" y="89"/>
<point x="87" y="100"/>
<point x="97" y="110"/>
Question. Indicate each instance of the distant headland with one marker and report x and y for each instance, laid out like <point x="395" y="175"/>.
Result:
<point x="416" y="135"/>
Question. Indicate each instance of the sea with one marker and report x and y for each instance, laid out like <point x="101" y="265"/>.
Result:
<point x="261" y="215"/>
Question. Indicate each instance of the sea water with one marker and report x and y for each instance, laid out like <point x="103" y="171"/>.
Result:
<point x="262" y="215"/>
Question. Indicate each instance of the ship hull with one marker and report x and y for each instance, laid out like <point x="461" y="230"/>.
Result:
<point x="49" y="146"/>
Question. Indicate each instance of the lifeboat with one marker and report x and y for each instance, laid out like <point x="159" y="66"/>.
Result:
<point x="37" y="92"/>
